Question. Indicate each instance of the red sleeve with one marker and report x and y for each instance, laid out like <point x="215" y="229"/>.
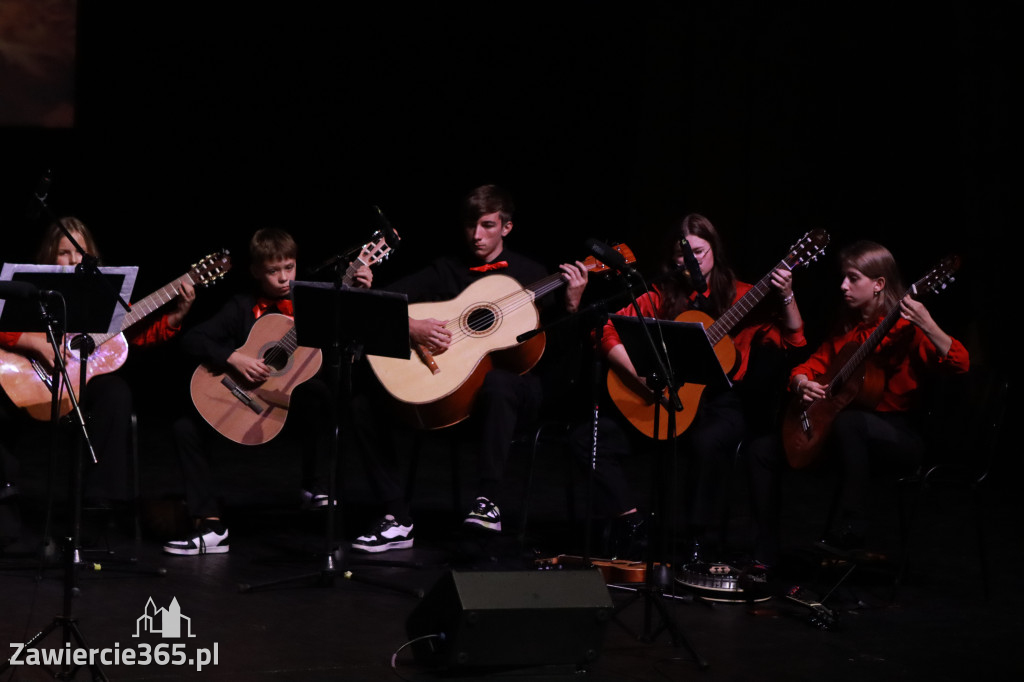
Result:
<point x="648" y="303"/>
<point x="819" y="362"/>
<point x="8" y="339"/>
<point x="150" y="332"/>
<point x="957" y="360"/>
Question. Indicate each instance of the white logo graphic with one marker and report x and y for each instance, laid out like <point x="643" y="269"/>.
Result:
<point x="166" y="622"/>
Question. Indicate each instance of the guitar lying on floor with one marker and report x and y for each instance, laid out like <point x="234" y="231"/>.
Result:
<point x="437" y="391"/>
<point x="26" y="381"/>
<point x="639" y="411"/>
<point x="852" y="378"/>
<point x="252" y="414"/>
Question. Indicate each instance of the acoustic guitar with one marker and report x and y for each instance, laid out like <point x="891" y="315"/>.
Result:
<point x="28" y="384"/>
<point x="639" y="410"/>
<point x="851" y="379"/>
<point x="485" y="320"/>
<point x="253" y="414"/>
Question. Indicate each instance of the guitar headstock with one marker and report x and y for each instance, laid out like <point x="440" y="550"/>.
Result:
<point x="595" y="266"/>
<point x="810" y="247"/>
<point x="380" y="246"/>
<point x="938" y="277"/>
<point x="211" y="268"/>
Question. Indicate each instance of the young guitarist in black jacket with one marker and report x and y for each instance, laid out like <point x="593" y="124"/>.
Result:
<point x="216" y="343"/>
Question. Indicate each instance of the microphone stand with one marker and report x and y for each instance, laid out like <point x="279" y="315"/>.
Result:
<point x="657" y="576"/>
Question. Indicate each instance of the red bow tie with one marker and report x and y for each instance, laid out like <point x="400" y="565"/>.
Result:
<point x="263" y="305"/>
<point x="500" y="265"/>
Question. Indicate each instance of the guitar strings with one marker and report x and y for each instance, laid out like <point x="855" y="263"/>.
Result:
<point x="506" y="304"/>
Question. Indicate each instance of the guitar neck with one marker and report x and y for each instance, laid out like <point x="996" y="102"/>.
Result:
<point x="738" y="310"/>
<point x="147" y="305"/>
<point x="555" y="281"/>
<point x="866" y="348"/>
<point x="350" y="272"/>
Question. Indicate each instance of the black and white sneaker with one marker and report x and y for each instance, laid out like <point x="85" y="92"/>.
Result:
<point x="203" y="541"/>
<point x="484" y="514"/>
<point x="386" y="534"/>
<point x="314" y="499"/>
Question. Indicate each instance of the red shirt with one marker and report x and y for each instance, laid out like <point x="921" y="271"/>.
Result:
<point x="903" y="354"/>
<point x="751" y="330"/>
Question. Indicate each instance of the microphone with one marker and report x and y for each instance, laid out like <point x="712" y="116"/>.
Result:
<point x="382" y="222"/>
<point x="696" y="277"/>
<point x="610" y="257"/>
<point x="25" y="291"/>
<point x="39" y="196"/>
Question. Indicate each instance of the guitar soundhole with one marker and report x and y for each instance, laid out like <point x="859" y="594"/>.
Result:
<point x="480" y="320"/>
<point x="277" y="358"/>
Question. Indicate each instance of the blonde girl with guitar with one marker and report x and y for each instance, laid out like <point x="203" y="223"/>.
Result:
<point x="878" y="425"/>
<point x="107" y="398"/>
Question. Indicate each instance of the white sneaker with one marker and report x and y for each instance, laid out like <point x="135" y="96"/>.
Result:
<point x="203" y="541"/>
<point x="386" y="534"/>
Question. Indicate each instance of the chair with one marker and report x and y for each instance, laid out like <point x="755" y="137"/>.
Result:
<point x="962" y="425"/>
<point x="964" y="447"/>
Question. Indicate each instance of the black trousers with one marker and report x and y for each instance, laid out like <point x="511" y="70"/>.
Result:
<point x="861" y="441"/>
<point x="506" y="401"/>
<point x="706" y="448"/>
<point x="309" y="424"/>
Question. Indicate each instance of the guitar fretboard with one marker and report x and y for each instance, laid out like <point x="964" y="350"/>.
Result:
<point x="147" y="305"/>
<point x="865" y="348"/>
<point x="738" y="310"/>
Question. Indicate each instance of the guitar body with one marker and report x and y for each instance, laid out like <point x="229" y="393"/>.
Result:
<point x="639" y="411"/>
<point x="487" y="317"/>
<point x="254" y="414"/>
<point x="805" y="429"/>
<point x="28" y="385"/>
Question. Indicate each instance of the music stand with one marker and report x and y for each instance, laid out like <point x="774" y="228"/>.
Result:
<point x="86" y="309"/>
<point x="687" y="348"/>
<point x="345" y="323"/>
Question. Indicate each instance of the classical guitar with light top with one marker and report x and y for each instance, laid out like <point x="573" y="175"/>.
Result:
<point x="27" y="383"/>
<point x="639" y="410"/>
<point x="252" y="414"/>
<point x="851" y="379"/>
<point x="485" y="320"/>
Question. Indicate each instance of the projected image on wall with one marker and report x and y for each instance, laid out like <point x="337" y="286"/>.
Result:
<point x="37" y="63"/>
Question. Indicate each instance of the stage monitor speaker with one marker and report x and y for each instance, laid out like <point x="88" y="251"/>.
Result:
<point x="511" y="619"/>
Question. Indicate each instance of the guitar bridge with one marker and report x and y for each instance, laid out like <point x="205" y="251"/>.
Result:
<point x="246" y="399"/>
<point x="805" y="423"/>
<point x="43" y="375"/>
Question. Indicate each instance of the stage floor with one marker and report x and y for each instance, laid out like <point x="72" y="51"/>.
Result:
<point x="938" y="626"/>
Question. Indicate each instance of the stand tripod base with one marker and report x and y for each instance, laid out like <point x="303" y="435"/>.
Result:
<point x="654" y="597"/>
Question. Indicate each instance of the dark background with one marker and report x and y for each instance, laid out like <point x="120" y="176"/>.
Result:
<point x="198" y="123"/>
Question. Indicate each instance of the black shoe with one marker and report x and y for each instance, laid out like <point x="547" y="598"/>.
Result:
<point x="484" y="514"/>
<point x="313" y="499"/>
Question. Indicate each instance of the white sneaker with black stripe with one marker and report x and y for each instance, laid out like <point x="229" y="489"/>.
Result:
<point x="484" y="514"/>
<point x="385" y="535"/>
<point x="203" y="541"/>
